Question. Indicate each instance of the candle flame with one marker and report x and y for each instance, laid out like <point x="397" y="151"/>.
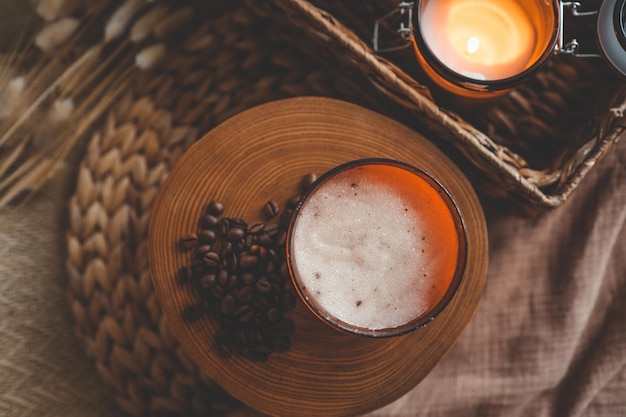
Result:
<point x="472" y="45"/>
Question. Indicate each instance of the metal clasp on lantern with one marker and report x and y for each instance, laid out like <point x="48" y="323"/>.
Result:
<point x="571" y="47"/>
<point x="404" y="9"/>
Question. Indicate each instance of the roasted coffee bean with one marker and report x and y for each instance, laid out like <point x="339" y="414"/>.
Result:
<point x="293" y="201"/>
<point x="215" y="208"/>
<point x="274" y="314"/>
<point x="227" y="249"/>
<point x="233" y="280"/>
<point x="208" y="281"/>
<point x="256" y="338"/>
<point x="271" y="229"/>
<point x="248" y="278"/>
<point x="184" y="275"/>
<point x="211" y="259"/>
<point x="281" y="239"/>
<point x="191" y="313"/>
<point x="243" y="337"/>
<point x="307" y="181"/>
<point x="265" y="240"/>
<point x="218" y="292"/>
<point x="259" y="302"/>
<point x="202" y="249"/>
<point x="222" y="277"/>
<point x="256" y="356"/>
<point x="277" y="288"/>
<point x="248" y="316"/>
<point x="239" y="245"/>
<point x="271" y="208"/>
<point x="235" y="234"/>
<point x="224" y="226"/>
<point x="260" y="337"/>
<point x="250" y="240"/>
<point x="188" y="242"/>
<point x="238" y="222"/>
<point x="260" y="320"/>
<point x="207" y="236"/>
<point x="227" y="305"/>
<point x="248" y="261"/>
<point x="242" y="309"/>
<point x="244" y="295"/>
<point x="233" y="261"/>
<point x="223" y="336"/>
<point x="263" y="286"/>
<point x="256" y="228"/>
<point x="209" y="221"/>
<point x="262" y="348"/>
<point x="239" y="349"/>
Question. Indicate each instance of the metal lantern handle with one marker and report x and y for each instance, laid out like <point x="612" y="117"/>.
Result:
<point x="404" y="9"/>
<point x="571" y="47"/>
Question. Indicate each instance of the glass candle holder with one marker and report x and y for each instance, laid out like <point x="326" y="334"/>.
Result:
<point x="482" y="48"/>
<point x="376" y="248"/>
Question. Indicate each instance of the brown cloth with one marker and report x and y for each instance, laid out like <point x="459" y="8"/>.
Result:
<point x="548" y="339"/>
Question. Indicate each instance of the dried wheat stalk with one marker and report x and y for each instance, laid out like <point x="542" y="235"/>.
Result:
<point x="56" y="82"/>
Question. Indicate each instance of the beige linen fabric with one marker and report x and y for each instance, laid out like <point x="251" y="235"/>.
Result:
<point x="43" y="369"/>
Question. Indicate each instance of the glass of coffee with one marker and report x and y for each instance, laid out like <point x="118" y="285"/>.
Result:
<point x="376" y="247"/>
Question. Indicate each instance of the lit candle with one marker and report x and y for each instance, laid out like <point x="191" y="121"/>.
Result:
<point x="479" y="39"/>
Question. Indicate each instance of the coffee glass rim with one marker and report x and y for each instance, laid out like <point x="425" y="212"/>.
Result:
<point x="418" y="322"/>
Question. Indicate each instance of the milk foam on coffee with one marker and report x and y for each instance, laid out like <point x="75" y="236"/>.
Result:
<point x="366" y="254"/>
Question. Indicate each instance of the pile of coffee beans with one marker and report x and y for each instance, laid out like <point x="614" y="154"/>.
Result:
<point x="240" y="278"/>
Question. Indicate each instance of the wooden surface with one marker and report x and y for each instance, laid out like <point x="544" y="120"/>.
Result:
<point x="261" y="154"/>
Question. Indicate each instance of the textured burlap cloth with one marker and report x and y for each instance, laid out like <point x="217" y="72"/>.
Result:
<point x="548" y="339"/>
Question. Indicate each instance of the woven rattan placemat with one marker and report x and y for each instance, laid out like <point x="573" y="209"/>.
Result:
<point x="216" y="73"/>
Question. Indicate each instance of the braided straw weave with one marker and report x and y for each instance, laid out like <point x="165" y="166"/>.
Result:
<point x="532" y="147"/>
<point x="216" y="73"/>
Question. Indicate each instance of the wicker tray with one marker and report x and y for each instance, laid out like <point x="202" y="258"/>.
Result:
<point x="533" y="146"/>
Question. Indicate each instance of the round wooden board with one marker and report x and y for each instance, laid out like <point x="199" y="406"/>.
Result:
<point x="262" y="154"/>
